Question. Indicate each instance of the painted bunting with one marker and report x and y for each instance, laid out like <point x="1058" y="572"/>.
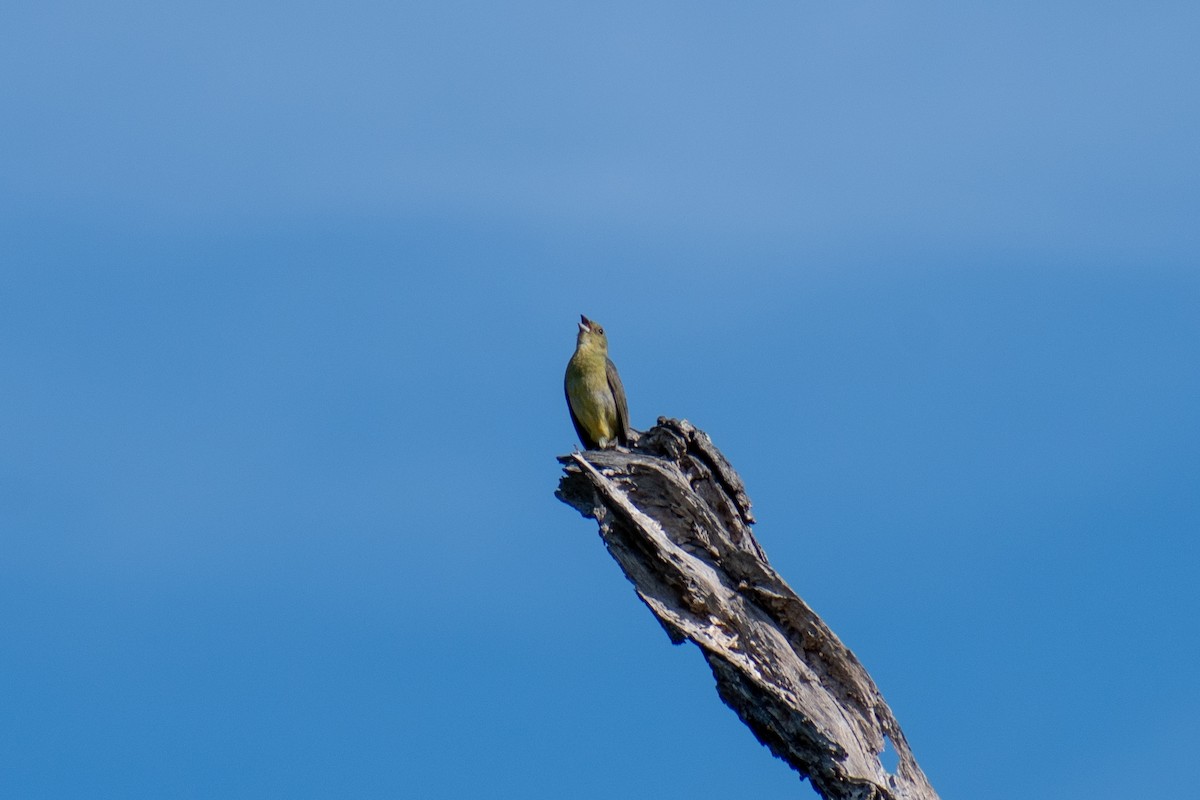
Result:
<point x="595" y="396"/>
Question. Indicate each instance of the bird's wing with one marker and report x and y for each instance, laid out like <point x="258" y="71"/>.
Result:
<point x="588" y="443"/>
<point x="618" y="393"/>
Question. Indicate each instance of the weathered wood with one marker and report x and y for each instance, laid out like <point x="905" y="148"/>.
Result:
<point x="675" y="516"/>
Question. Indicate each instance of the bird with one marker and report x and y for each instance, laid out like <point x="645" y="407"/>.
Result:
<point x="595" y="396"/>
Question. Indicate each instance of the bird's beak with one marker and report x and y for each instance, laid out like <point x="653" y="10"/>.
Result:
<point x="585" y="324"/>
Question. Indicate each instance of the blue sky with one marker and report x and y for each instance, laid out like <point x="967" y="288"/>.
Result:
<point x="287" y="291"/>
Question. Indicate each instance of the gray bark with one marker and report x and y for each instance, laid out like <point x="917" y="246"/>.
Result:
<point x="675" y="516"/>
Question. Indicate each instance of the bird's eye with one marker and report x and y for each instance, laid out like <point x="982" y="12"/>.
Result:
<point x="600" y="331"/>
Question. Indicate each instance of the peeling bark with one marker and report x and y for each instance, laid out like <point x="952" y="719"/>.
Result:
<point x="676" y="517"/>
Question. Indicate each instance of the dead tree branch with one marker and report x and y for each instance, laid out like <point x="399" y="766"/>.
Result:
<point x="675" y="516"/>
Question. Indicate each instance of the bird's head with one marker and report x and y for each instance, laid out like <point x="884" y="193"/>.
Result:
<point x="591" y="335"/>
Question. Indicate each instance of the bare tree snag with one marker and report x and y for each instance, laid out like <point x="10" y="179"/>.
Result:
<point x="675" y="516"/>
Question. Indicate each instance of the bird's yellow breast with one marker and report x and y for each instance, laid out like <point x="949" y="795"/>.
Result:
<point x="590" y="396"/>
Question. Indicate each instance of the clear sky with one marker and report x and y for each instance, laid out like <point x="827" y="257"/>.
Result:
<point x="286" y="294"/>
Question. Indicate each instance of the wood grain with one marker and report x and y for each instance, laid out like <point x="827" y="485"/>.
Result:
<point x="676" y="517"/>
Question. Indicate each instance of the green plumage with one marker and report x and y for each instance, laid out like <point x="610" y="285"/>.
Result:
<point x="595" y="396"/>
